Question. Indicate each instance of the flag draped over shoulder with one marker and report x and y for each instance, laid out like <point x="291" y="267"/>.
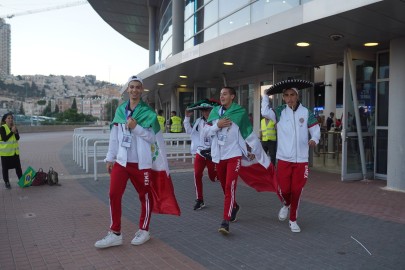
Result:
<point x="258" y="173"/>
<point x="164" y="199"/>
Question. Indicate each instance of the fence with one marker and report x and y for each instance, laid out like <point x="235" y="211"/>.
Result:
<point x="93" y="143"/>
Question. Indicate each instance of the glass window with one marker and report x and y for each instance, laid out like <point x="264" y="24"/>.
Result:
<point x="227" y="7"/>
<point x="266" y="8"/>
<point x="189" y="8"/>
<point x="382" y="104"/>
<point x="383" y="66"/>
<point x="185" y="98"/>
<point x="235" y="21"/>
<point x="166" y="50"/>
<point x="166" y="35"/>
<point x="189" y="28"/>
<point x="189" y="43"/>
<point x="246" y="98"/>
<point x="208" y="92"/>
<point x="165" y="28"/>
<point x="209" y="33"/>
<point x="207" y="16"/>
<point x="381" y="151"/>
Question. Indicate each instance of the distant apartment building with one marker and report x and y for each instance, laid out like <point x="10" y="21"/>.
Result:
<point x="5" y="51"/>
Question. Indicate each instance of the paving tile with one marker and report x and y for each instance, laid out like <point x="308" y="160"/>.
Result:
<point x="56" y="227"/>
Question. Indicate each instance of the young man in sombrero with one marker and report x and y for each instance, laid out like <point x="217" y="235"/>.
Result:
<point x="200" y="143"/>
<point x="294" y="122"/>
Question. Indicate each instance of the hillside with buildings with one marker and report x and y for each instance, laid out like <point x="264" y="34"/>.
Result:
<point x="32" y="93"/>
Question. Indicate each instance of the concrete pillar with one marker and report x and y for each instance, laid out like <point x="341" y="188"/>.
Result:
<point x="152" y="35"/>
<point x="396" y="132"/>
<point x="174" y="97"/>
<point x="330" y="99"/>
<point x="178" y="26"/>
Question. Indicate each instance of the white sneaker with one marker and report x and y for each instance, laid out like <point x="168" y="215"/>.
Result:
<point x="294" y="226"/>
<point x="283" y="213"/>
<point x="109" y="241"/>
<point x="141" y="236"/>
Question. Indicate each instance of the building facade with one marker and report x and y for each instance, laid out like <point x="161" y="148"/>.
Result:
<point x="5" y="48"/>
<point x="196" y="47"/>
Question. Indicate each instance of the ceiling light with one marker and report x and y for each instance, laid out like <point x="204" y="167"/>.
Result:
<point x="371" y="44"/>
<point x="183" y="85"/>
<point x="160" y="84"/>
<point x="228" y="63"/>
<point x="183" y="76"/>
<point x="302" y="44"/>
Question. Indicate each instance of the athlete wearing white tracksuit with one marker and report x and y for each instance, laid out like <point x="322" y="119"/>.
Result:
<point x="198" y="143"/>
<point x="294" y="121"/>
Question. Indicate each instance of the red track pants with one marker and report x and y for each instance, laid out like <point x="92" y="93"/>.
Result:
<point x="292" y="178"/>
<point x="228" y="172"/>
<point x="199" y="164"/>
<point x="118" y="182"/>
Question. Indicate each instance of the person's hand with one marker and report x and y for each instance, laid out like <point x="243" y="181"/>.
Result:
<point x="109" y="166"/>
<point x="131" y="123"/>
<point x="188" y="113"/>
<point x="224" y="122"/>
<point x="14" y="129"/>
<point x="311" y="143"/>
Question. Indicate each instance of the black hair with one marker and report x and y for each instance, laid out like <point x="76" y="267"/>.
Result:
<point x="3" y="119"/>
<point x="232" y="90"/>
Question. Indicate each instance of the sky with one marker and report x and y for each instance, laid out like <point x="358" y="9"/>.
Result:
<point x="72" y="41"/>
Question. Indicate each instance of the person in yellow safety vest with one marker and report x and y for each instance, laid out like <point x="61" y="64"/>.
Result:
<point x="269" y="138"/>
<point x="161" y="121"/>
<point x="175" y="123"/>
<point x="9" y="150"/>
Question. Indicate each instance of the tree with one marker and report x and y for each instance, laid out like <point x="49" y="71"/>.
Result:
<point x="74" y="105"/>
<point x="48" y="110"/>
<point x="110" y="108"/>
<point x="41" y="102"/>
<point x="21" y="109"/>
<point x="56" y="109"/>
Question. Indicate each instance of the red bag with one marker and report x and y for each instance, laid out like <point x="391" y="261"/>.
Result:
<point x="41" y="178"/>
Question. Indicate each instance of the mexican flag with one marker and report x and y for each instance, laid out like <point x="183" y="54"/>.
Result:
<point x="27" y="178"/>
<point x="164" y="199"/>
<point x="259" y="172"/>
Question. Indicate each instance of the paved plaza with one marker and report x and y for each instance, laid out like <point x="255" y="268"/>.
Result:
<point x="351" y="225"/>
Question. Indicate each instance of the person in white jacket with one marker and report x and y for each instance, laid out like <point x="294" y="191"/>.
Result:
<point x="294" y="122"/>
<point x="126" y="159"/>
<point x="200" y="143"/>
<point x="227" y="149"/>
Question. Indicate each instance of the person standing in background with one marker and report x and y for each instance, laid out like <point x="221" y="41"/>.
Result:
<point x="175" y="123"/>
<point x="268" y="136"/>
<point x="200" y="143"/>
<point x="161" y="120"/>
<point x="9" y="149"/>
<point x="330" y="122"/>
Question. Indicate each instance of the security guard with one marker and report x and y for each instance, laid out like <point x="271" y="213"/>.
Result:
<point x="161" y="121"/>
<point x="9" y="150"/>
<point x="175" y="123"/>
<point x="269" y="138"/>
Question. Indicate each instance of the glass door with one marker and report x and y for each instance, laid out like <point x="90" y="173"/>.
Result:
<point x="358" y="120"/>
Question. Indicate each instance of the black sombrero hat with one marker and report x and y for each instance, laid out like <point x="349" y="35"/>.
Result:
<point x="288" y="84"/>
<point x="203" y="104"/>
